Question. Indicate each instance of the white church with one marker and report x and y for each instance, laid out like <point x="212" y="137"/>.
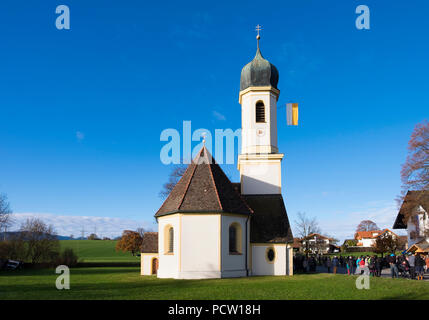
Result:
<point x="209" y="227"/>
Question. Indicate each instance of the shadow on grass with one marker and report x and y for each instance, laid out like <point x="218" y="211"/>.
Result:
<point x="408" y="296"/>
<point x="102" y="290"/>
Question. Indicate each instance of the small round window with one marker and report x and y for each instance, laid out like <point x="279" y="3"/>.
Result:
<point x="271" y="255"/>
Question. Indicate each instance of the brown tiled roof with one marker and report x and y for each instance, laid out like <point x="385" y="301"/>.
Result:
<point x="412" y="198"/>
<point x="269" y="223"/>
<point x="150" y="242"/>
<point x="296" y="243"/>
<point x="204" y="188"/>
<point x="373" y="234"/>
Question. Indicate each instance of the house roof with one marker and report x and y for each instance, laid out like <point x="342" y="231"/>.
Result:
<point x="204" y="188"/>
<point x="372" y="234"/>
<point x="296" y="243"/>
<point x="422" y="246"/>
<point x="269" y="221"/>
<point x="259" y="73"/>
<point x="411" y="200"/>
<point x="312" y="235"/>
<point x="150" y="242"/>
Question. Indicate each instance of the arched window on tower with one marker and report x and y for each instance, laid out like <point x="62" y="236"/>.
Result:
<point x="260" y="111"/>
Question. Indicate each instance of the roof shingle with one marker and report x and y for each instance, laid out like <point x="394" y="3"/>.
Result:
<point x="150" y="242"/>
<point x="204" y="187"/>
<point x="269" y="222"/>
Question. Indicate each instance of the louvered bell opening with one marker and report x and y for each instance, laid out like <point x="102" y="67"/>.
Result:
<point x="260" y="112"/>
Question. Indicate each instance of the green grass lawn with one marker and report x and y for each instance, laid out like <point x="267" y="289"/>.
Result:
<point x="98" y="251"/>
<point x="126" y="283"/>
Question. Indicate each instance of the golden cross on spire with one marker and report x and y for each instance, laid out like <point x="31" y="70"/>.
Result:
<point x="258" y="28"/>
<point x="204" y="137"/>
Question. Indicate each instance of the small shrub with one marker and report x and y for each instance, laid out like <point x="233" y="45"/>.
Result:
<point x="68" y="257"/>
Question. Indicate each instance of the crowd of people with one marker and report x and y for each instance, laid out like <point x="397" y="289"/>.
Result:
<point x="411" y="266"/>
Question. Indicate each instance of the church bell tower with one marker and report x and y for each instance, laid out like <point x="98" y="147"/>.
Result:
<point x="259" y="162"/>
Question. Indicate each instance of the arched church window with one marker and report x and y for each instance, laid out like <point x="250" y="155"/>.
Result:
<point x="168" y="239"/>
<point x="234" y="238"/>
<point x="260" y="112"/>
<point x="171" y="240"/>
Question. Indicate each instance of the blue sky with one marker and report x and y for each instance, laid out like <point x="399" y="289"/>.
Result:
<point x="82" y="109"/>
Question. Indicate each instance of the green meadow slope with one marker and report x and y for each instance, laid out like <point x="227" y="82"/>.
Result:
<point x="98" y="251"/>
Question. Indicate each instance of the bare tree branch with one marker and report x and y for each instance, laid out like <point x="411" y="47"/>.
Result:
<point x="174" y="177"/>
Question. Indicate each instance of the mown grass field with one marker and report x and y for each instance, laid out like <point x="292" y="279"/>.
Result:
<point x="98" y="251"/>
<point x="126" y="283"/>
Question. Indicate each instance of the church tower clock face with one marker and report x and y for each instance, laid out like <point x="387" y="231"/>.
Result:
<point x="260" y="132"/>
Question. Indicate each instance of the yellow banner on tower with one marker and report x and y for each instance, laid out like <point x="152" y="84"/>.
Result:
<point x="292" y="114"/>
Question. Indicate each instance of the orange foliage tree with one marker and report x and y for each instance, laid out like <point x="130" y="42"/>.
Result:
<point x="130" y="241"/>
<point x="415" y="170"/>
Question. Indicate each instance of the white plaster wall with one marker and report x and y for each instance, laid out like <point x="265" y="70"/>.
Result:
<point x="235" y="265"/>
<point x="273" y="117"/>
<point x="260" y="266"/>
<point x="249" y="126"/>
<point x="168" y="263"/>
<point x="423" y="225"/>
<point x="200" y="247"/>
<point x="367" y="242"/>
<point x="423" y="221"/>
<point x="146" y="263"/>
<point x="263" y="177"/>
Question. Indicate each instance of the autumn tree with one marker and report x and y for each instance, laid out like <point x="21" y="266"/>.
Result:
<point x="415" y="170"/>
<point x="130" y="241"/>
<point x="174" y="177"/>
<point x="367" y="225"/>
<point x="386" y="244"/>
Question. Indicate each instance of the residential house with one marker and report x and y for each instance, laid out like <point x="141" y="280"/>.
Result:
<point x="367" y="238"/>
<point x="413" y="216"/>
<point x="317" y="243"/>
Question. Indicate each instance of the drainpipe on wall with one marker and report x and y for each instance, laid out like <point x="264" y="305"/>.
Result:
<point x="247" y="269"/>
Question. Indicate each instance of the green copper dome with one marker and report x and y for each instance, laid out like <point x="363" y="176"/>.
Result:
<point x="259" y="73"/>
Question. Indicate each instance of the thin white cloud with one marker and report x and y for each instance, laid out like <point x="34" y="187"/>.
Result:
<point x="73" y="225"/>
<point x="80" y="135"/>
<point x="218" y="115"/>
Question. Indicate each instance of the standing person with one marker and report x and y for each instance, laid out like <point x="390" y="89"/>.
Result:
<point x="372" y="266"/>
<point x="305" y="265"/>
<point x="377" y="264"/>
<point x="427" y="263"/>
<point x="350" y="265"/>
<point x="362" y="264"/>
<point x="335" y="263"/>
<point x="358" y="265"/>
<point x="419" y="263"/>
<point x="411" y="261"/>
<point x="328" y="264"/>
<point x="393" y="267"/>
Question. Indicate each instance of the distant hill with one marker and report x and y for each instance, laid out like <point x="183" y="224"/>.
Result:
<point x="10" y="234"/>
